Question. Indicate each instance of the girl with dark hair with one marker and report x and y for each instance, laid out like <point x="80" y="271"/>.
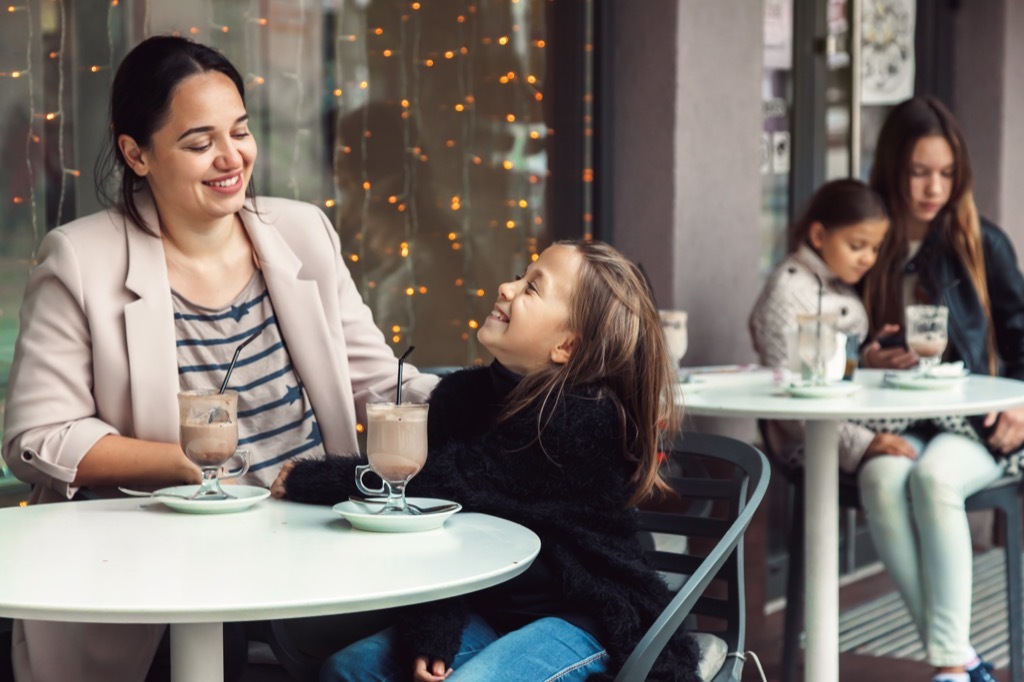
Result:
<point x="832" y="245"/>
<point x="939" y="252"/>
<point x="130" y="306"/>
<point x="559" y="434"/>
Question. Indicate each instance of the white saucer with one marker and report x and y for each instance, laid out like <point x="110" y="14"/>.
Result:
<point x="361" y="516"/>
<point x="692" y="386"/>
<point x="914" y="380"/>
<point x="838" y="389"/>
<point x="245" y="496"/>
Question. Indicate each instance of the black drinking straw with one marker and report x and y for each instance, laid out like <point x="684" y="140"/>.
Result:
<point x="817" y="329"/>
<point x="401" y="362"/>
<point x="238" y="350"/>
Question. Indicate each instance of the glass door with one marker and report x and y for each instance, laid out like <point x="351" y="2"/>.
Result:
<point x="832" y="71"/>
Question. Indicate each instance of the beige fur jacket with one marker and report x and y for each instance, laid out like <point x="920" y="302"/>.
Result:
<point x="792" y="289"/>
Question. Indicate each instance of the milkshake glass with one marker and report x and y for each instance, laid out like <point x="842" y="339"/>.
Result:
<point x="208" y="430"/>
<point x="396" y="447"/>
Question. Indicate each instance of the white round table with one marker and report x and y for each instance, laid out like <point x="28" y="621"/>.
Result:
<point x="136" y="561"/>
<point x="761" y="399"/>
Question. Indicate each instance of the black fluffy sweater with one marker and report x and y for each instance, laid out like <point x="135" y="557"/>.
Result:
<point x="570" y="488"/>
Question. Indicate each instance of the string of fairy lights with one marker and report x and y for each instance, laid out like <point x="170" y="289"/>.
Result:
<point x="466" y="77"/>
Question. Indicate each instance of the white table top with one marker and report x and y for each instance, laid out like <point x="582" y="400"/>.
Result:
<point x="136" y="561"/>
<point x="979" y="394"/>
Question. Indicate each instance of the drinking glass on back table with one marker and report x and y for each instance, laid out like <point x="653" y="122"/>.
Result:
<point x="673" y="324"/>
<point x="396" y="447"/>
<point x="816" y="344"/>
<point x="927" y="333"/>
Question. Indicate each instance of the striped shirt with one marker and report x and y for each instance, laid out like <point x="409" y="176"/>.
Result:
<point x="275" y="419"/>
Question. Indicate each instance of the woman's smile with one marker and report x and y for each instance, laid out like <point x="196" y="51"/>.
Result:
<point x="226" y="185"/>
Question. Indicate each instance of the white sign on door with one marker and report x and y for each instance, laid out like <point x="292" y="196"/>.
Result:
<point x="887" y="50"/>
<point x="780" y="151"/>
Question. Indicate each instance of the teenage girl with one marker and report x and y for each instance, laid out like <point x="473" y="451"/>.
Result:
<point x="559" y="434"/>
<point x="940" y="252"/>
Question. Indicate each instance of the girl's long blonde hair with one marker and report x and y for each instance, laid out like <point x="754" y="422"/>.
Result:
<point x="958" y="221"/>
<point x="619" y="346"/>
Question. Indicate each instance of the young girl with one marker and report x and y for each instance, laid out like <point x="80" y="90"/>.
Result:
<point x="559" y="434"/>
<point x="833" y="244"/>
<point x="940" y="252"/>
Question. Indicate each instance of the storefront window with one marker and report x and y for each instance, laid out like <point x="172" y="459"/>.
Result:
<point x="422" y="129"/>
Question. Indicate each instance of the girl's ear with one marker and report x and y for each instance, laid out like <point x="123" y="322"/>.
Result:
<point x="816" y="235"/>
<point x="561" y="353"/>
<point x="132" y="153"/>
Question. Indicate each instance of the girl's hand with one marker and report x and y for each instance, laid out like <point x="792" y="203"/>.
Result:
<point x="1008" y="434"/>
<point x="277" y="487"/>
<point x="888" y="358"/>
<point x="427" y="671"/>
<point x="889" y="444"/>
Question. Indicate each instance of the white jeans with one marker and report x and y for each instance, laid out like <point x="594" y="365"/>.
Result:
<point x="915" y="511"/>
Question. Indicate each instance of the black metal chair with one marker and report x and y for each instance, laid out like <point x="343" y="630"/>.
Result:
<point x="1004" y="496"/>
<point x="6" y="666"/>
<point x="735" y="499"/>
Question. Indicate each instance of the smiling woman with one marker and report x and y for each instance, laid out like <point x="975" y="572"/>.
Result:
<point x="132" y="305"/>
<point x="197" y="166"/>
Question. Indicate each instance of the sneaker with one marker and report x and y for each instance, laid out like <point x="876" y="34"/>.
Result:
<point x="981" y="673"/>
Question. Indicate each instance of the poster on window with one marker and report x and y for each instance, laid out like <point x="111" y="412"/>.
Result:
<point x="778" y="34"/>
<point x="887" y="51"/>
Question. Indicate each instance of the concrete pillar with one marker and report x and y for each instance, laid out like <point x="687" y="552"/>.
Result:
<point x="988" y="99"/>
<point x="688" y="189"/>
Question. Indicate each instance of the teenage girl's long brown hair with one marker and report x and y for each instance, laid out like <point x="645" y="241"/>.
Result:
<point x="620" y="346"/>
<point x="905" y="125"/>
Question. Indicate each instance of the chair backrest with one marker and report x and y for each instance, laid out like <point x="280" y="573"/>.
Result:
<point x="735" y="498"/>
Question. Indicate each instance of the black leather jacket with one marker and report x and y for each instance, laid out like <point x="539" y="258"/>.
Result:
<point x="947" y="282"/>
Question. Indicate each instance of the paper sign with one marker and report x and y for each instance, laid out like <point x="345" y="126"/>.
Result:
<point x="780" y="151"/>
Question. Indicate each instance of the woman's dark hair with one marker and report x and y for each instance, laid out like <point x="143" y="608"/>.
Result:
<point x="837" y="204"/>
<point x="139" y="100"/>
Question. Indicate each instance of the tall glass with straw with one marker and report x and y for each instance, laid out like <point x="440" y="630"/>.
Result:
<point x="816" y="341"/>
<point x="208" y="432"/>
<point x="396" y="447"/>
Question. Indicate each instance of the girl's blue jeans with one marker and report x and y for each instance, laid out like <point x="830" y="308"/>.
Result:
<point x="547" y="649"/>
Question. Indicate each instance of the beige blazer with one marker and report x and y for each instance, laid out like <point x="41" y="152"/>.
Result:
<point x="96" y="352"/>
<point x="96" y="355"/>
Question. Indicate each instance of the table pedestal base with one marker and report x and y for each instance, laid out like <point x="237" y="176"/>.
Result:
<point x="197" y="652"/>
<point x="821" y="549"/>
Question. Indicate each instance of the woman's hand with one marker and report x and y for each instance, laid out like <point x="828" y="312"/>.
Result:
<point x="277" y="487"/>
<point x="889" y="444"/>
<point x="1008" y="434"/>
<point x="430" y="671"/>
<point x="889" y="358"/>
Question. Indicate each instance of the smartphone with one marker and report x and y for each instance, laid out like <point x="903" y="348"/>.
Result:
<point x="897" y="340"/>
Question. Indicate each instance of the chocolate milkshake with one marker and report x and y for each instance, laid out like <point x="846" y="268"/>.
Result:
<point x="396" y="440"/>
<point x="208" y="426"/>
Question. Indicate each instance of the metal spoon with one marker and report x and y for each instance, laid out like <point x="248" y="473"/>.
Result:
<point x="416" y="509"/>
<point x="158" y="495"/>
